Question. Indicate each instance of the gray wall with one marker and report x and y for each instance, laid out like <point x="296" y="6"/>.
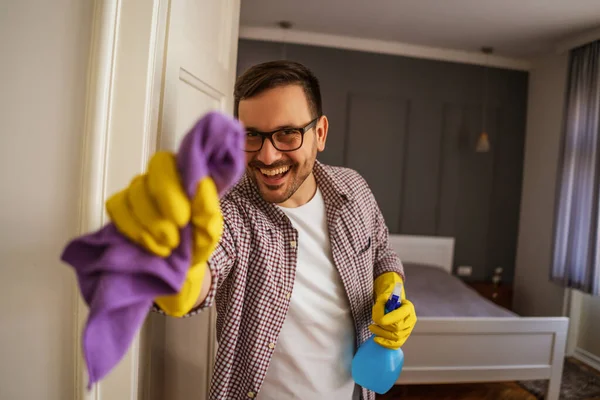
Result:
<point x="534" y="294"/>
<point x="409" y="126"/>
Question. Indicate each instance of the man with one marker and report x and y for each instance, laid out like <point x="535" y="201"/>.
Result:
<point x="303" y="255"/>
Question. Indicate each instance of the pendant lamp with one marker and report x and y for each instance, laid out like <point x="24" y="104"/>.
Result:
<point x="483" y="141"/>
<point x="285" y="26"/>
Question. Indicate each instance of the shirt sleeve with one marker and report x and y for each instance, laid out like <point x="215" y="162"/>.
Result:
<point x="219" y="264"/>
<point x="386" y="259"/>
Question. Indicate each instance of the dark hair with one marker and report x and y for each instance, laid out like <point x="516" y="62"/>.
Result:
<point x="274" y="74"/>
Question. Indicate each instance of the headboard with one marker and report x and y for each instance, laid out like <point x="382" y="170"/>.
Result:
<point x="430" y="250"/>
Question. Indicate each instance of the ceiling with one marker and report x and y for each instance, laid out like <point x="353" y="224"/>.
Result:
<point x="515" y="28"/>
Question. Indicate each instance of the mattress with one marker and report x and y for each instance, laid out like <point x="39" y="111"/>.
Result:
<point x="436" y="293"/>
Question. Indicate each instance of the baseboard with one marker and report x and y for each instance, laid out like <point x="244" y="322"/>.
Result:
<point x="588" y="358"/>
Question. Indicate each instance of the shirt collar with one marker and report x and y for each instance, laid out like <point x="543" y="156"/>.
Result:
<point x="328" y="182"/>
<point x="334" y="193"/>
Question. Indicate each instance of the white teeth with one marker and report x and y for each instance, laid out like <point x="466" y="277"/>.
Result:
<point x="272" y="172"/>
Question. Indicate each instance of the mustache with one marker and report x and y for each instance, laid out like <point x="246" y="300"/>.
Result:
<point x="276" y="164"/>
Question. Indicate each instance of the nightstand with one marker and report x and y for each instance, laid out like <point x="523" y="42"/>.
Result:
<point x="500" y="294"/>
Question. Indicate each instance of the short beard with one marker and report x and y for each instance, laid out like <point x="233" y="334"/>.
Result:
<point x="303" y="172"/>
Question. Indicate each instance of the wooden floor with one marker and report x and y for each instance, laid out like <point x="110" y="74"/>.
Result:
<point x="479" y="391"/>
<point x="474" y="391"/>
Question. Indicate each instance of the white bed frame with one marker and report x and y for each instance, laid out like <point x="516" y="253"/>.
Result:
<point x="474" y="349"/>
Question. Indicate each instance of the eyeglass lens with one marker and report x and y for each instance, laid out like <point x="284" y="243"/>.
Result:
<point x="284" y="140"/>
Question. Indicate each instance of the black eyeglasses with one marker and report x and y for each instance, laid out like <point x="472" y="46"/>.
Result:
<point x="286" y="139"/>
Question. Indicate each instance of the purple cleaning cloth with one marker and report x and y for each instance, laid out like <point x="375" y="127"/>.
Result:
<point x="118" y="279"/>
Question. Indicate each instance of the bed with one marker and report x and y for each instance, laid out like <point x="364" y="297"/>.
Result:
<point x="463" y="337"/>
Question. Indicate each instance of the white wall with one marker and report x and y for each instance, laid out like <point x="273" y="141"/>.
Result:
<point x="534" y="294"/>
<point x="44" y="47"/>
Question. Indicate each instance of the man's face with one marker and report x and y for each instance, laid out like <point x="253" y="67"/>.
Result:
<point x="279" y="175"/>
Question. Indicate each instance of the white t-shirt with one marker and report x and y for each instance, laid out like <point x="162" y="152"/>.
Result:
<point x="313" y="356"/>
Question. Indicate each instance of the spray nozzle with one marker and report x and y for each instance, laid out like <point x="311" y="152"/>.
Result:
<point x="395" y="299"/>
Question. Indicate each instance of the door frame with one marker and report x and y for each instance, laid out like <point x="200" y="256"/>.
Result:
<point x="123" y="96"/>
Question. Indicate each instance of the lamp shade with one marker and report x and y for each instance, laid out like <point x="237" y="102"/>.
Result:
<point x="483" y="143"/>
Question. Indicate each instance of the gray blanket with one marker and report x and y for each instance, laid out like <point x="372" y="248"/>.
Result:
<point x="436" y="293"/>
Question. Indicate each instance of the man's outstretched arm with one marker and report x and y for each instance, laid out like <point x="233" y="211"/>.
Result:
<point x="155" y="213"/>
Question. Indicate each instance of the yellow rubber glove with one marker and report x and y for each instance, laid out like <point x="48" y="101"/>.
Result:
<point x="151" y="211"/>
<point x="207" y="220"/>
<point x="208" y="227"/>
<point x="153" y="208"/>
<point x="391" y="330"/>
<point x="166" y="190"/>
<point x="177" y="305"/>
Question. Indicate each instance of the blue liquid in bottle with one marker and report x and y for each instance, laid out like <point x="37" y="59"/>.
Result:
<point x="375" y="367"/>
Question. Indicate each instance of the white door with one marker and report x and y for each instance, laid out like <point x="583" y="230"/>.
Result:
<point x="201" y="54"/>
<point x="156" y="67"/>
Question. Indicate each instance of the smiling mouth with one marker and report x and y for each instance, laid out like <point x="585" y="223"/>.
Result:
<point x="275" y="173"/>
<point x="274" y="177"/>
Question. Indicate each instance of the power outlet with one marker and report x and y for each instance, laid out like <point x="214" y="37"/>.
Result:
<point x="464" y="270"/>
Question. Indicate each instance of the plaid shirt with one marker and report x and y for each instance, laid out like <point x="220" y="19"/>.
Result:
<point x="253" y="272"/>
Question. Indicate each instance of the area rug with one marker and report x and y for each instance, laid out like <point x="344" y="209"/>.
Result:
<point x="579" y="382"/>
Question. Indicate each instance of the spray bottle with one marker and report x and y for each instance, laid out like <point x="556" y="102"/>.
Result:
<point x="375" y="367"/>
